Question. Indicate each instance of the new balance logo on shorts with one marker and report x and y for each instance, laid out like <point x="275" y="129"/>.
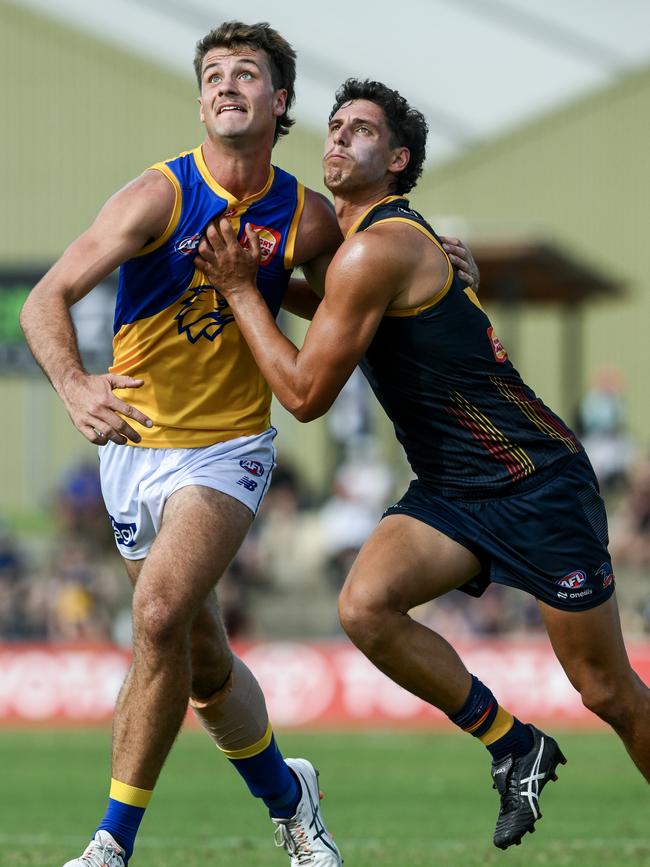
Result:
<point x="247" y="483"/>
<point x="124" y="533"/>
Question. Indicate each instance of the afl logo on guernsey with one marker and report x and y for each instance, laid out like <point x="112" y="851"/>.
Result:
<point x="188" y="245"/>
<point x="269" y="242"/>
<point x="500" y="354"/>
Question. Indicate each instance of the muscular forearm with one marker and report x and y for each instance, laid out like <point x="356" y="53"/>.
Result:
<point x="275" y="354"/>
<point x="51" y="338"/>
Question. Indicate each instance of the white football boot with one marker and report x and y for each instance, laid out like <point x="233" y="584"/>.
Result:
<point x="103" y="851"/>
<point x="305" y="836"/>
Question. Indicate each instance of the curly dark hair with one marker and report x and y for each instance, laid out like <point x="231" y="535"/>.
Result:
<point x="282" y="58"/>
<point x="407" y="125"/>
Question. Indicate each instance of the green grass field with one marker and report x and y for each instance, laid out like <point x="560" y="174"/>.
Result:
<point x="392" y="800"/>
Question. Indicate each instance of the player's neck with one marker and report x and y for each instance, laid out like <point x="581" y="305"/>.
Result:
<point x="242" y="171"/>
<point x="350" y="206"/>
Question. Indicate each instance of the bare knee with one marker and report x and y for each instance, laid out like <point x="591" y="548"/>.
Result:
<point x="158" y="625"/>
<point x="609" y="697"/>
<point x="363" y="619"/>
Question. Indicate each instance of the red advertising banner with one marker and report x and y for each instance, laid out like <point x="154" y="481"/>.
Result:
<point x="306" y="684"/>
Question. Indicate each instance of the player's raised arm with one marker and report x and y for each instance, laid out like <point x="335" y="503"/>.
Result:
<point x="134" y="216"/>
<point x="307" y="381"/>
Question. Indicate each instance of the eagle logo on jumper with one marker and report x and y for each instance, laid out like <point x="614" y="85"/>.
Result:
<point x="269" y="241"/>
<point x="203" y="314"/>
<point x="498" y="349"/>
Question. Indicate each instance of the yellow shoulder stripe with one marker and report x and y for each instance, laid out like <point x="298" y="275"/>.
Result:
<point x="471" y="294"/>
<point x="290" y="246"/>
<point x="413" y="311"/>
<point x="176" y="213"/>
<point x="353" y="228"/>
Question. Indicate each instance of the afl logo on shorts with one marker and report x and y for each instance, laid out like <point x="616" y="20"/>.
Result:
<point x="252" y="467"/>
<point x="269" y="241"/>
<point x="574" y="580"/>
<point x="188" y="245"/>
<point x="498" y="350"/>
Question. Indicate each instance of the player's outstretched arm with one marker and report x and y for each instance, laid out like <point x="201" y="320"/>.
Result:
<point x="461" y="258"/>
<point x="132" y="217"/>
<point x="362" y="280"/>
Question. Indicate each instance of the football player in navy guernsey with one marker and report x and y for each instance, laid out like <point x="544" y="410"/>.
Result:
<point x="503" y="491"/>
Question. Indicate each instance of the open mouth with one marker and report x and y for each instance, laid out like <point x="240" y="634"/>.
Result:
<point x="226" y="108"/>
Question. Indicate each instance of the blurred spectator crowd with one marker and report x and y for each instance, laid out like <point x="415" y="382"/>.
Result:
<point x="69" y="584"/>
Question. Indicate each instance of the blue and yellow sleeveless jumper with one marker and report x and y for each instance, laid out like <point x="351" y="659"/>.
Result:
<point x="201" y="384"/>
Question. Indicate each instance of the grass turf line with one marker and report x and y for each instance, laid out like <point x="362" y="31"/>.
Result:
<point x="392" y="800"/>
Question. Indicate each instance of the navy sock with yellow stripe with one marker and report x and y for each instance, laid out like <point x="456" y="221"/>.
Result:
<point x="483" y="717"/>
<point x="126" y="806"/>
<point x="267" y="775"/>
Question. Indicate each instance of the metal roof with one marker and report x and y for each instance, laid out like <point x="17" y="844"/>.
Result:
<point x="476" y="68"/>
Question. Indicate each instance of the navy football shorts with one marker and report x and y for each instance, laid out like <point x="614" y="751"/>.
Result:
<point x="549" y="540"/>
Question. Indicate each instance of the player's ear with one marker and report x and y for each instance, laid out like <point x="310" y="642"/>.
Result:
<point x="399" y="159"/>
<point x="201" y="112"/>
<point x="279" y="102"/>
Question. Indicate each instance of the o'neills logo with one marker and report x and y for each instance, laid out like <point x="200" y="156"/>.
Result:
<point x="500" y="354"/>
<point x="269" y="242"/>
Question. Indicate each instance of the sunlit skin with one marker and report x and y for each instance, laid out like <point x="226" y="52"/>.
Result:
<point x="238" y="103"/>
<point x="359" y="152"/>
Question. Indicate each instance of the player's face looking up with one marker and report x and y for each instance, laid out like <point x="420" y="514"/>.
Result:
<point x="237" y="94"/>
<point x="359" y="150"/>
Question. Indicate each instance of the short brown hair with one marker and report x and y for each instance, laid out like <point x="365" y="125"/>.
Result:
<point x="281" y="56"/>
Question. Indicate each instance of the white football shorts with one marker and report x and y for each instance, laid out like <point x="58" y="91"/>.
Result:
<point x="137" y="482"/>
